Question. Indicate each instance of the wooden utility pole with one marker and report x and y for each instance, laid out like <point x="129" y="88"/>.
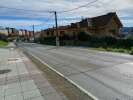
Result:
<point x="18" y="36"/>
<point x="57" y="35"/>
<point x="34" y="33"/>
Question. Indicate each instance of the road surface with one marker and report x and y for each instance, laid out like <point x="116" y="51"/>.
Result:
<point x="108" y="76"/>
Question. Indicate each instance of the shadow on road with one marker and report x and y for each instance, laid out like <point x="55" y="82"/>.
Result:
<point x="5" y="71"/>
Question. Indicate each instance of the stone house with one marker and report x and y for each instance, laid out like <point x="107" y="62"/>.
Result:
<point x="104" y="25"/>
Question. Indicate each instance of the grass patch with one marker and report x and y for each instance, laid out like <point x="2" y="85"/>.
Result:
<point x="120" y="50"/>
<point x="3" y="43"/>
<point x="131" y="52"/>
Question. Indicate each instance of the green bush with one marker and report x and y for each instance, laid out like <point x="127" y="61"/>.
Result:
<point x="130" y="36"/>
<point x="82" y="36"/>
<point x="83" y="39"/>
<point x="48" y="40"/>
<point x="131" y="52"/>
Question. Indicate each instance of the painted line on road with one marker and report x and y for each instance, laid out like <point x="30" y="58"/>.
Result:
<point x="69" y="80"/>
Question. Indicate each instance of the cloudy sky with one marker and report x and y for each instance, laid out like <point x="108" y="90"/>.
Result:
<point x="29" y="12"/>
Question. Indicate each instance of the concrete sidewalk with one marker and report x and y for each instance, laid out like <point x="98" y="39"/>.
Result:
<point x="20" y="79"/>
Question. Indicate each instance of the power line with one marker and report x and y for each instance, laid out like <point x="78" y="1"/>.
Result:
<point x="85" y="5"/>
<point x="38" y="11"/>
<point x="48" y="11"/>
<point x="76" y="18"/>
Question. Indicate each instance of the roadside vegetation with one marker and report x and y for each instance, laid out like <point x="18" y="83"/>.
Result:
<point x="3" y="40"/>
<point x="3" y="43"/>
<point x="121" y="50"/>
<point x="106" y="43"/>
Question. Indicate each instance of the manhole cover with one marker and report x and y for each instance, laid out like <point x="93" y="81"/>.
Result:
<point x="5" y="71"/>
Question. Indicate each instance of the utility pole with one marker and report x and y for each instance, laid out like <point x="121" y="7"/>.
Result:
<point x="18" y="36"/>
<point x="34" y="33"/>
<point x="57" y="35"/>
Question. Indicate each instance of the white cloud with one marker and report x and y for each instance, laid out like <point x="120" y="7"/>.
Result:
<point x="129" y="21"/>
<point x="13" y="23"/>
<point x="122" y="7"/>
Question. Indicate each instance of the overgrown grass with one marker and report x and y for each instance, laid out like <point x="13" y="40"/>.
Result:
<point x="121" y="50"/>
<point x="3" y="43"/>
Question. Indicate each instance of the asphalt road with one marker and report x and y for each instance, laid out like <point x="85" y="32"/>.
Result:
<point x="108" y="76"/>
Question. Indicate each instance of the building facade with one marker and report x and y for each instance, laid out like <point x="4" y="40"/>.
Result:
<point x="105" y="25"/>
<point x="25" y="34"/>
<point x="3" y="31"/>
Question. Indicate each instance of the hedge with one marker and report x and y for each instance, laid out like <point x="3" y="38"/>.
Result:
<point x="83" y="39"/>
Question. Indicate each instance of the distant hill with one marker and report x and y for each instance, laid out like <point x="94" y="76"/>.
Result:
<point x="127" y="30"/>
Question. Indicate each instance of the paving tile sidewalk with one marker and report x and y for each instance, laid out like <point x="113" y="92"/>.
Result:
<point x="20" y="79"/>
